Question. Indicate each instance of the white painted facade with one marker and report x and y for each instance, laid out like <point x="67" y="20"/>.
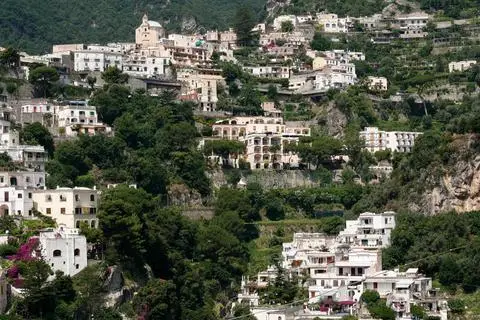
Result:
<point x="260" y="134"/>
<point x="86" y="61"/>
<point x="459" y="66"/>
<point x="64" y="250"/>
<point x="146" y="66"/>
<point x="370" y="230"/>
<point x="276" y="72"/>
<point x="331" y="23"/>
<point x="16" y="201"/>
<point x="377" y="83"/>
<point x="78" y="117"/>
<point x="68" y="206"/>
<point x="400" y="141"/>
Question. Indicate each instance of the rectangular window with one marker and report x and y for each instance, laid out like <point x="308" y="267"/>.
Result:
<point x="5" y="196"/>
<point x="78" y="210"/>
<point x="29" y="195"/>
<point x="62" y="210"/>
<point x="93" y="210"/>
<point x="19" y="196"/>
<point x="49" y="211"/>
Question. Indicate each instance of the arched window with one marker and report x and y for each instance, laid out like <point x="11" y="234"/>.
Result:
<point x="57" y="253"/>
<point x="92" y="197"/>
<point x="76" y="252"/>
<point x="78" y="224"/>
<point x="92" y="224"/>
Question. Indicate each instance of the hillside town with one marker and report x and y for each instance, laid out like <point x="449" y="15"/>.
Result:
<point x="112" y="154"/>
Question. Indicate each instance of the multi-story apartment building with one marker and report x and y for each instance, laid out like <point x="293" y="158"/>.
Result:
<point x="265" y="139"/>
<point x="331" y="23"/>
<point x="16" y="201"/>
<point x="200" y="86"/>
<point x="459" y="66"/>
<point x="404" y="289"/>
<point x="343" y="55"/>
<point x="377" y="83"/>
<point x="68" y="206"/>
<point x="277" y="72"/>
<point x="87" y="61"/>
<point x="147" y="66"/>
<point x="78" y="117"/>
<point x="31" y="157"/>
<point x="370" y="230"/>
<point x="63" y="250"/>
<point x="400" y="141"/>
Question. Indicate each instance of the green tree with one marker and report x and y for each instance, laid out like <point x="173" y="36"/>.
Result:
<point x="287" y="26"/>
<point x="113" y="75"/>
<point x="243" y="23"/>
<point x="370" y="296"/>
<point x="319" y="150"/>
<point x="91" y="80"/>
<point x="457" y="306"/>
<point x="320" y="42"/>
<point x="121" y="215"/>
<point x="43" y="78"/>
<point x="35" y="133"/>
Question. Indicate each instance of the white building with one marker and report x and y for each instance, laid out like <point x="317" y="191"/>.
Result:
<point x="331" y="23"/>
<point x="68" y="206"/>
<point x="459" y="66"/>
<point x="400" y="141"/>
<point x="402" y="289"/>
<point x="266" y="139"/>
<point x="377" y="83"/>
<point x="277" y="22"/>
<point x="86" y="61"/>
<point x="414" y="20"/>
<point x="16" y="201"/>
<point x="335" y="76"/>
<point x="276" y="72"/>
<point x="64" y="250"/>
<point x="339" y="269"/>
<point x="31" y="157"/>
<point x="370" y="230"/>
<point x="344" y="55"/>
<point x="147" y="66"/>
<point x="340" y="279"/>
<point x="78" y="117"/>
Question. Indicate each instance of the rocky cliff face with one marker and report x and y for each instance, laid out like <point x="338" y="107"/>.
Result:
<point x="458" y="188"/>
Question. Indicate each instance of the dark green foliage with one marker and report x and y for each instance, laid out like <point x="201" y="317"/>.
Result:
<point x="35" y="134"/>
<point x="244" y="21"/>
<point x="113" y="75"/>
<point x="457" y="306"/>
<point x="43" y="78"/>
<point x="370" y="297"/>
<point x="39" y="26"/>
<point x="319" y="150"/>
<point x="282" y="290"/>
<point x="380" y="310"/>
<point x="320" y="42"/>
<point x="417" y="236"/>
<point x="287" y="26"/>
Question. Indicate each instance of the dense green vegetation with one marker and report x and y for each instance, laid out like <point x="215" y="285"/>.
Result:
<point x="35" y="26"/>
